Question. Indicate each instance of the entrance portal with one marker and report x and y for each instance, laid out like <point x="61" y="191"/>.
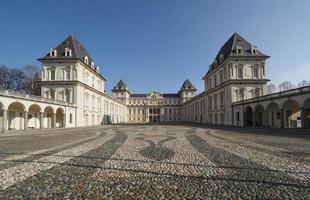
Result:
<point x="154" y="115"/>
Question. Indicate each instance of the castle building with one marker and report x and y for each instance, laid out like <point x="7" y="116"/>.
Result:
<point x="73" y="95"/>
<point x="154" y="106"/>
<point x="237" y="73"/>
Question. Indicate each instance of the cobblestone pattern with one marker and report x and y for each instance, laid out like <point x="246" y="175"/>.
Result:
<point x="160" y="162"/>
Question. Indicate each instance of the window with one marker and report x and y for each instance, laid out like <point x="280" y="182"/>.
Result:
<point x="278" y="115"/>
<point x="253" y="49"/>
<point x="232" y="69"/>
<point x="215" y="100"/>
<point x="67" y="74"/>
<point x="221" y="77"/>
<point x="255" y="73"/>
<point x="92" y="65"/>
<point x="257" y="92"/>
<point x="238" y="116"/>
<point x="52" y="93"/>
<point x="68" y="52"/>
<point x="70" y="118"/>
<point x="52" y="75"/>
<point x="241" y="94"/>
<point x="239" y="50"/>
<point x="239" y="72"/>
<point x="222" y="98"/>
<point x="86" y="59"/>
<point x="263" y="70"/>
<point x="221" y="57"/>
<point x="53" y="52"/>
<point x="215" y="80"/>
<point x="67" y="95"/>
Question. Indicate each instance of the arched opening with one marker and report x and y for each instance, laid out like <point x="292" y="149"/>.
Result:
<point x="273" y="115"/>
<point x="307" y="114"/>
<point x="34" y="116"/>
<point x="1" y="117"/>
<point x="291" y="114"/>
<point x="48" y="119"/>
<point x="259" y="115"/>
<point x="16" y="116"/>
<point x="248" y="116"/>
<point x="60" y="116"/>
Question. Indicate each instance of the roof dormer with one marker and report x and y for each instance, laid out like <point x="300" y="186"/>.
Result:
<point x="86" y="59"/>
<point x="53" y="52"/>
<point x="253" y="49"/>
<point x="97" y="69"/>
<point x="239" y="50"/>
<point x="215" y="62"/>
<point x="92" y="65"/>
<point x="221" y="58"/>
<point x="68" y="52"/>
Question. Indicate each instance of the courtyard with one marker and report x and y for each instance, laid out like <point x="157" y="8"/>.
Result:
<point x="155" y="162"/>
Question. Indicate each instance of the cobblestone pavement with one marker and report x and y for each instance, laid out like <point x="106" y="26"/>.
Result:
<point x="154" y="162"/>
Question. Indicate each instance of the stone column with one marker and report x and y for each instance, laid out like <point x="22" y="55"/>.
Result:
<point x="265" y="118"/>
<point x="303" y="118"/>
<point x="64" y="120"/>
<point x="53" y="120"/>
<point x="41" y="120"/>
<point x="244" y="119"/>
<point x="4" y="121"/>
<point x="254" y="120"/>
<point x="25" y="120"/>
<point x="147" y="117"/>
<point x="282" y="118"/>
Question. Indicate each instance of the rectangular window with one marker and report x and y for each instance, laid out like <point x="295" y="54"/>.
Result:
<point x="70" y="118"/>
<point x="264" y="70"/>
<point x="255" y="73"/>
<point x="238" y="116"/>
<point x="67" y="74"/>
<point x="67" y="96"/>
<point x="240" y="73"/>
<point x="52" y="75"/>
<point x="278" y="115"/>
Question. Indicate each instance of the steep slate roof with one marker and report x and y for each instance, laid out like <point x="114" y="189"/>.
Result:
<point x="138" y="95"/>
<point x="120" y="86"/>
<point x="229" y="50"/>
<point x="171" y="95"/>
<point x="187" y="85"/>
<point x="77" y="49"/>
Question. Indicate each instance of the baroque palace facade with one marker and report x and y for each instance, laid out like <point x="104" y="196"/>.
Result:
<point x="73" y="95"/>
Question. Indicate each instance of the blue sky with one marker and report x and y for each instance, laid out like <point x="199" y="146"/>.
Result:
<point x="154" y="45"/>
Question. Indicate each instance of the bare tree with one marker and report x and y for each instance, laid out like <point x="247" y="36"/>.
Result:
<point x="303" y="83"/>
<point x="25" y="80"/>
<point x="18" y="80"/>
<point x="32" y="73"/>
<point x="286" y="85"/>
<point x="4" y="77"/>
<point x="271" y="88"/>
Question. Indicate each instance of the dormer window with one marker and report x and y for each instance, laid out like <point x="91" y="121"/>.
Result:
<point x="239" y="50"/>
<point x="92" y="65"/>
<point x="254" y="49"/>
<point x="68" y="52"/>
<point x="97" y="69"/>
<point x="215" y="62"/>
<point x="86" y="59"/>
<point x="221" y="58"/>
<point x="53" y="52"/>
